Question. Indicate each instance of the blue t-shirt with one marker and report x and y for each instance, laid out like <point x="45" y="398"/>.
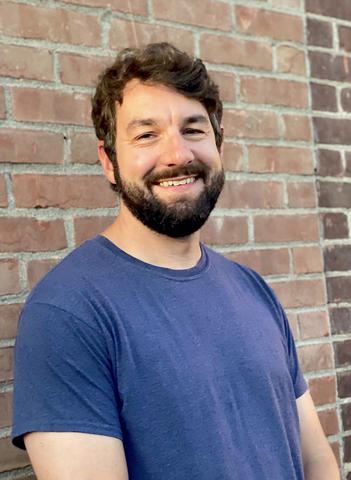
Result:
<point x="194" y="370"/>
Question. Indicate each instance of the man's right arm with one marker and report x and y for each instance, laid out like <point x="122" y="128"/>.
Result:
<point x="76" y="456"/>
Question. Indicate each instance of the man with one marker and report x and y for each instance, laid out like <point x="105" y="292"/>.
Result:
<point x="144" y="354"/>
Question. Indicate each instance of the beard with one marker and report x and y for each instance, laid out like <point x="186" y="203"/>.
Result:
<point x="181" y="217"/>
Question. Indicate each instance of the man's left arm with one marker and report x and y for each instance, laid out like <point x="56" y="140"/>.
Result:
<point x="318" y="459"/>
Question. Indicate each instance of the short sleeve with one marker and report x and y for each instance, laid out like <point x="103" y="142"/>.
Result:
<point x="64" y="379"/>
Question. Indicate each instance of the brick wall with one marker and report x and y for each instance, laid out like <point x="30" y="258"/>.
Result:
<point x="283" y="67"/>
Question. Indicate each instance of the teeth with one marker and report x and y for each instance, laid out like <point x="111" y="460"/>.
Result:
<point x="170" y="183"/>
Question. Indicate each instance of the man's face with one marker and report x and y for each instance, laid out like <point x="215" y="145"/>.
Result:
<point x="169" y="168"/>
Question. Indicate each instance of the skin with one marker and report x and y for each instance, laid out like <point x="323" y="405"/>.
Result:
<point x="156" y="132"/>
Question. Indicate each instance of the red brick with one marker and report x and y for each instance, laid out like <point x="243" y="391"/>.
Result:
<point x="225" y="230"/>
<point x="313" y="325"/>
<point x="267" y="23"/>
<point x="274" y="159"/>
<point x="265" y="262"/>
<point x="329" y="163"/>
<point x="346" y="415"/>
<point x="274" y="91"/>
<point x="11" y="457"/>
<point x="346" y="99"/>
<point x="315" y="357"/>
<point x="301" y="195"/>
<point x="233" y="157"/>
<point x="8" y="320"/>
<point x="6" y="363"/>
<point x="23" y="234"/>
<point x="323" y="390"/>
<point x="39" y="105"/>
<point x="5" y="409"/>
<point x="3" y="191"/>
<point x="340" y="9"/>
<point x="138" y="7"/>
<point x="226" y="83"/>
<point x="345" y="37"/>
<point x="26" y="62"/>
<point x="250" y="124"/>
<point x="319" y="33"/>
<point x="52" y="24"/>
<point x="84" y="148"/>
<point x="340" y="319"/>
<point x="297" y="127"/>
<point x="300" y="293"/>
<point x="329" y="421"/>
<point x="88" y="227"/>
<point x="9" y="276"/>
<point x="81" y="69"/>
<point x="292" y="319"/>
<point x="30" y="146"/>
<point x="41" y="191"/>
<point x="329" y="66"/>
<point x="251" y="194"/>
<point x="36" y="269"/>
<point x="125" y="33"/>
<point x="291" y="60"/>
<point x="347" y="452"/>
<point x="323" y="97"/>
<point x="307" y="259"/>
<point x="334" y="194"/>
<point x="220" y="49"/>
<point x="337" y="257"/>
<point x="344" y="384"/>
<point x="2" y="103"/>
<point x="286" y="228"/>
<point x="339" y="290"/>
<point x="336" y="450"/>
<point x="202" y="13"/>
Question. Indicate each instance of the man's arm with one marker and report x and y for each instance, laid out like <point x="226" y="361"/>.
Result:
<point x="318" y="459"/>
<point x="76" y="456"/>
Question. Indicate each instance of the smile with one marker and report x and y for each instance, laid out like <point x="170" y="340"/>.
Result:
<point x="183" y="181"/>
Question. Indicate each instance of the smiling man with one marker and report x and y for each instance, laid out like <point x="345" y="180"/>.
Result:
<point x="144" y="354"/>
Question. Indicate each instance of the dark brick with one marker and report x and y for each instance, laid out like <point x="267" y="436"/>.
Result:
<point x="338" y="9"/>
<point x="340" y="319"/>
<point x="329" y="163"/>
<point x="347" y="172"/>
<point x="335" y="225"/>
<point x="344" y="384"/>
<point x="339" y="289"/>
<point x="323" y="97"/>
<point x="337" y="257"/>
<point x="334" y="194"/>
<point x="332" y="130"/>
<point x="342" y="351"/>
<point x="346" y="415"/>
<point x="346" y="99"/>
<point x="330" y="67"/>
<point x="345" y="38"/>
<point x="319" y="33"/>
<point x="347" y="450"/>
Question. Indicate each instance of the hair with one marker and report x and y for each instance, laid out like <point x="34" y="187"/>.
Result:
<point x="157" y="63"/>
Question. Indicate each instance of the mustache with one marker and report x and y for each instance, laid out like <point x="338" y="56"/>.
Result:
<point x="194" y="168"/>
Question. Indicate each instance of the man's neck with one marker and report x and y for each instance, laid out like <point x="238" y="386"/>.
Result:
<point x="134" y="238"/>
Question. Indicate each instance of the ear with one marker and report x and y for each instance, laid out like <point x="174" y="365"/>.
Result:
<point x="221" y="147"/>
<point x="106" y="162"/>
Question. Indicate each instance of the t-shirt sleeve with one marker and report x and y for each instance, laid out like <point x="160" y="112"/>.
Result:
<point x="64" y="376"/>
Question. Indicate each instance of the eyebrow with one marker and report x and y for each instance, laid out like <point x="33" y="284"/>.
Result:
<point x="150" y="122"/>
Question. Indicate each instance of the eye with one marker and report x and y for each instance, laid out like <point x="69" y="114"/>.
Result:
<point x="193" y="131"/>
<point x="146" y="136"/>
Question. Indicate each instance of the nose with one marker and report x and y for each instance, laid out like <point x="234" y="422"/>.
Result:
<point x="176" y="151"/>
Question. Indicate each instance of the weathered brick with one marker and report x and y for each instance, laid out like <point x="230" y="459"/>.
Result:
<point x="26" y="62"/>
<point x="6" y="364"/>
<point x="274" y="91"/>
<point x="84" y="148"/>
<point x="236" y="51"/>
<point x="30" y="146"/>
<point x="339" y="289"/>
<point x="291" y="60"/>
<point x="52" y="24"/>
<point x="313" y="324"/>
<point x="297" y="127"/>
<point x="250" y="124"/>
<point x="347" y="452"/>
<point x="346" y="416"/>
<point x="340" y="9"/>
<point x="315" y="357"/>
<point x="344" y="37"/>
<point x="346" y="99"/>
<point x="126" y="33"/>
<point x="11" y="457"/>
<point x="202" y="13"/>
<point x="41" y="191"/>
<point x="40" y="105"/>
<point x="347" y="171"/>
<point x="292" y="319"/>
<point x="9" y="276"/>
<point x="342" y="352"/>
<point x="307" y="259"/>
<point x="226" y="83"/>
<point x="323" y="97"/>
<point x="336" y="450"/>
<point x="340" y="319"/>
<point x="3" y="191"/>
<point x="81" y="69"/>
<point x="5" y="409"/>
<point x="88" y="227"/>
<point x="319" y="33"/>
<point x="267" y="23"/>
<point x="344" y="384"/>
<point x="329" y="163"/>
<point x="300" y="293"/>
<point x="334" y="194"/>
<point x="251" y="194"/>
<point x="286" y="228"/>
<point x="335" y="225"/>
<point x="233" y="157"/>
<point x="8" y="320"/>
<point x="23" y="234"/>
<point x="322" y="390"/>
<point x="225" y="230"/>
<point x="280" y="159"/>
<point x="294" y="4"/>
<point x="301" y="195"/>
<point x="265" y="261"/>
<point x="337" y="257"/>
<point x="36" y="269"/>
<point x="329" y="421"/>
<point x="330" y="67"/>
<point x="2" y="103"/>
<point x="137" y="7"/>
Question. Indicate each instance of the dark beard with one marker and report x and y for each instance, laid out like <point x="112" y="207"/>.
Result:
<point x="176" y="219"/>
